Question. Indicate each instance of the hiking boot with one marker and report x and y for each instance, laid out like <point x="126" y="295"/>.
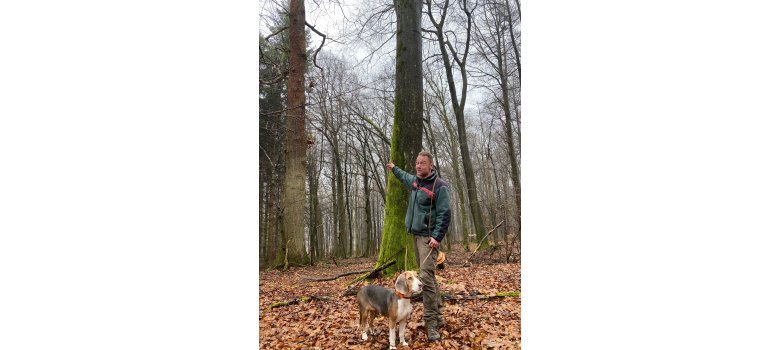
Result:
<point x="433" y="335"/>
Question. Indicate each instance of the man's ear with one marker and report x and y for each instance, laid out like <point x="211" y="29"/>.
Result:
<point x="400" y="284"/>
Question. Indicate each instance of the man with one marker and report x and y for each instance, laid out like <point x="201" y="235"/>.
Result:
<point x="427" y="217"/>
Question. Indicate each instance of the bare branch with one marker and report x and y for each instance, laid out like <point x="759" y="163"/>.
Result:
<point x="321" y="44"/>
<point x="276" y="32"/>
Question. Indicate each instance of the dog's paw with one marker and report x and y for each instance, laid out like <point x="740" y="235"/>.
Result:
<point x="392" y="347"/>
<point x="364" y="336"/>
<point x="404" y="343"/>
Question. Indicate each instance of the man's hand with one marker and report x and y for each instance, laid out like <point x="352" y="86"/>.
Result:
<point x="433" y="243"/>
<point x="390" y="166"/>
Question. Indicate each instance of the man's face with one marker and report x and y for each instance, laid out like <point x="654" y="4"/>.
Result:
<point x="423" y="167"/>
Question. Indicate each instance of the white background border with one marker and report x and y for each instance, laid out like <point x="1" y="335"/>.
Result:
<point x="650" y="175"/>
<point x="129" y="175"/>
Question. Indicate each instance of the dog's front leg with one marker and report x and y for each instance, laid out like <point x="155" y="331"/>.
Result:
<point x="401" y="330"/>
<point x="392" y="335"/>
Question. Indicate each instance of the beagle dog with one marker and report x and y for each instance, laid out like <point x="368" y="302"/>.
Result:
<point x="393" y="304"/>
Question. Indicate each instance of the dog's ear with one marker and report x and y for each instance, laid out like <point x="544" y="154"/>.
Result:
<point x="400" y="283"/>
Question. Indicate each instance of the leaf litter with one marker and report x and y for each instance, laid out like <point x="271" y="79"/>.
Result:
<point x="329" y="319"/>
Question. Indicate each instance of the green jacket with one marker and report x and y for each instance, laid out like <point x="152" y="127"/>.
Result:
<point x="420" y="210"/>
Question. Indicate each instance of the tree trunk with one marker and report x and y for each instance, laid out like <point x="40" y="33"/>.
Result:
<point x="294" y="197"/>
<point x="501" y="54"/>
<point x="347" y="206"/>
<point x="321" y="244"/>
<point x="263" y="211"/>
<point x="366" y="197"/>
<point x="340" y="211"/>
<point x="314" y="208"/>
<point x="274" y="254"/>
<point x="456" y="169"/>
<point x="512" y="33"/>
<point x="406" y="139"/>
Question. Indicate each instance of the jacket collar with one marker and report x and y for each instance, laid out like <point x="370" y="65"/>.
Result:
<point x="430" y="177"/>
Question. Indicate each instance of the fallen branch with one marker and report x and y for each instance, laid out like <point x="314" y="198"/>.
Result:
<point x="350" y="287"/>
<point x="296" y="301"/>
<point x="373" y="272"/>
<point x="334" y="277"/>
<point x="450" y="297"/>
<point x="480" y="242"/>
<point x="482" y="297"/>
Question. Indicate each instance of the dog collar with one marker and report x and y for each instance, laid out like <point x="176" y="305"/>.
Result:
<point x="401" y="295"/>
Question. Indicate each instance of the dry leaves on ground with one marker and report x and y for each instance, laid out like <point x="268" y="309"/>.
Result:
<point x="330" y="320"/>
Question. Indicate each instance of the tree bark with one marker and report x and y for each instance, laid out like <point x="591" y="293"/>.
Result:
<point x="294" y="197"/>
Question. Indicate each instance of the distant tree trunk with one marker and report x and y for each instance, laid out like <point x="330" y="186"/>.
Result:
<point x="340" y="208"/>
<point x="375" y="174"/>
<point x="504" y="83"/>
<point x="456" y="169"/>
<point x="406" y="139"/>
<point x="321" y="237"/>
<point x="314" y="208"/>
<point x="432" y="142"/>
<point x="501" y="206"/>
<point x="512" y="33"/>
<point x="294" y="197"/>
<point x="335" y="236"/>
<point x="366" y="195"/>
<point x="491" y="193"/>
<point x="274" y="218"/>
<point x="263" y="234"/>
<point x="367" y="204"/>
<point x="347" y="206"/>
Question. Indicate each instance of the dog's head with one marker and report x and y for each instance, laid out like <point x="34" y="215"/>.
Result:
<point x="408" y="283"/>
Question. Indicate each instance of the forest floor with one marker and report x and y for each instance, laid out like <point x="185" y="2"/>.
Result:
<point x="477" y="317"/>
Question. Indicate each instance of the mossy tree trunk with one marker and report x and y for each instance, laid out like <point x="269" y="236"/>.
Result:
<point x="406" y="139"/>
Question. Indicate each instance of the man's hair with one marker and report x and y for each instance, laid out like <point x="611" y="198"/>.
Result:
<point x="426" y="154"/>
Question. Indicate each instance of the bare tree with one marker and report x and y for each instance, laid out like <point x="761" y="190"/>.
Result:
<point x="447" y="50"/>
<point x="438" y="104"/>
<point x="493" y="42"/>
